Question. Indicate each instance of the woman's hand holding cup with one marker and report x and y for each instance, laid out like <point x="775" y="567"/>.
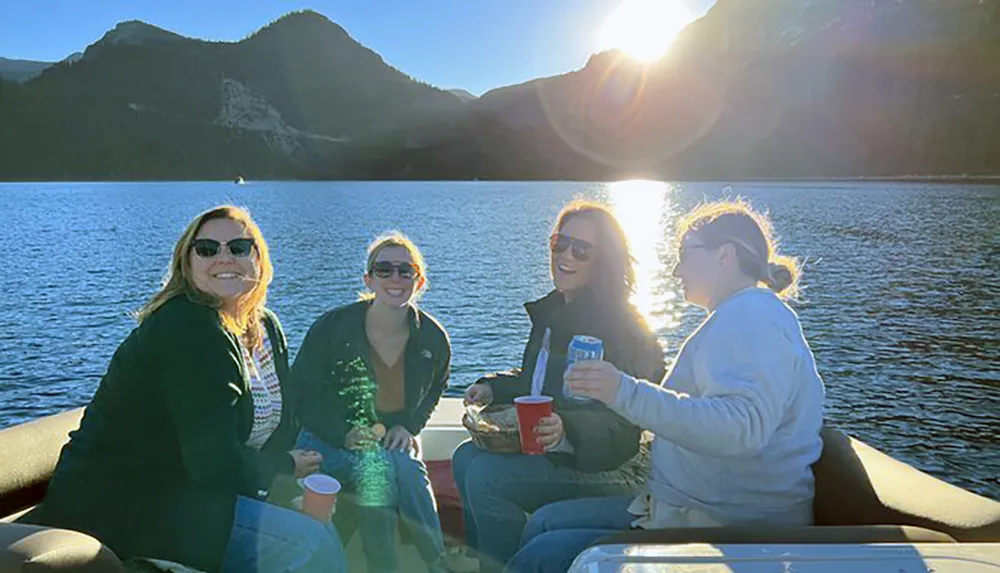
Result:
<point x="549" y="431"/>
<point x="307" y="462"/>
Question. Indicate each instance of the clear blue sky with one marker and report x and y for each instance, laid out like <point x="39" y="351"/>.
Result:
<point x="472" y="44"/>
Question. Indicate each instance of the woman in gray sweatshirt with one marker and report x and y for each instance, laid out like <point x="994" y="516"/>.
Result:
<point x="737" y="420"/>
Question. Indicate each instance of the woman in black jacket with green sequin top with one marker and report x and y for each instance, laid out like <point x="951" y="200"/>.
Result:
<point x="369" y="375"/>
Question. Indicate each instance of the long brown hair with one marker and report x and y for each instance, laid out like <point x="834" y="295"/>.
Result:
<point x="615" y="274"/>
<point x="247" y="321"/>
<point x="735" y="221"/>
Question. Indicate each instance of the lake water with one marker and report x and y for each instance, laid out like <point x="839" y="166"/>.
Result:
<point x="901" y="307"/>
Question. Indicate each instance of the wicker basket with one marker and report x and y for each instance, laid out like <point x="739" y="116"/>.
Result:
<point x="499" y="434"/>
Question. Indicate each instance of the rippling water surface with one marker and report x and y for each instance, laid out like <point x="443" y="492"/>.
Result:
<point x="901" y="305"/>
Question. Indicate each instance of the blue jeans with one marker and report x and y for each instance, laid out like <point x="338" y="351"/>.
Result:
<point x="271" y="539"/>
<point x="558" y="532"/>
<point x="408" y="494"/>
<point x="498" y="490"/>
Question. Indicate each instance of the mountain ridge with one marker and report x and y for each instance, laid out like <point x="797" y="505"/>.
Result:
<point x="21" y="70"/>
<point x="144" y="102"/>
<point x="827" y="89"/>
<point x="783" y="88"/>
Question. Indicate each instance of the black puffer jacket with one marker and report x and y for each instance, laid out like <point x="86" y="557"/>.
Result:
<point x="602" y="440"/>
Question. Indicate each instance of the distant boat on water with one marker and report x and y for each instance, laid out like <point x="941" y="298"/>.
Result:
<point x="239" y="180"/>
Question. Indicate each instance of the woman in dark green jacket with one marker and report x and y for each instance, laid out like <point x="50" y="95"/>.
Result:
<point x="369" y="374"/>
<point x="191" y="423"/>
<point x="590" y="450"/>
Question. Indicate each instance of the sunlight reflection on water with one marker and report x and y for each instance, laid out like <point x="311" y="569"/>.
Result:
<point x="647" y="214"/>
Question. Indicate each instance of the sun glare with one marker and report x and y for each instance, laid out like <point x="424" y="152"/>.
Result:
<point x="645" y="209"/>
<point x="644" y="29"/>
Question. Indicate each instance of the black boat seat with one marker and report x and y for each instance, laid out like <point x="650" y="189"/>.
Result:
<point x="859" y="485"/>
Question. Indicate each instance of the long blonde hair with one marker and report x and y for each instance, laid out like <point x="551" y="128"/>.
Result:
<point x="247" y="321"/>
<point x="397" y="239"/>
<point x="737" y="222"/>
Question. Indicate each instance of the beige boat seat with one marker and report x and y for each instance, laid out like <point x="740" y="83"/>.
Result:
<point x="30" y="452"/>
<point x="34" y="549"/>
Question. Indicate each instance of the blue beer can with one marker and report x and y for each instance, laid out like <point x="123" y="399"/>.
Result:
<point x="582" y="348"/>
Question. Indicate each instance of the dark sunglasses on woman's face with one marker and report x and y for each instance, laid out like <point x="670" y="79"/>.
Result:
<point x="208" y="248"/>
<point x="582" y="250"/>
<point x="384" y="270"/>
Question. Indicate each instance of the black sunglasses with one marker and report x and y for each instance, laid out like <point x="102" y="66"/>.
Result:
<point x="208" y="248"/>
<point x="582" y="250"/>
<point x="384" y="270"/>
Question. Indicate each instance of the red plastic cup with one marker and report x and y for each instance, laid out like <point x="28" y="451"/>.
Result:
<point x="320" y="496"/>
<point x="531" y="409"/>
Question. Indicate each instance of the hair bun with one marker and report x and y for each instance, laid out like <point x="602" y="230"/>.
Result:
<point x="779" y="276"/>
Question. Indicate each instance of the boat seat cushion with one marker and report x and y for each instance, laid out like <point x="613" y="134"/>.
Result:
<point x="34" y="549"/>
<point x="36" y="446"/>
<point x="812" y="535"/>
<point x="859" y="485"/>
